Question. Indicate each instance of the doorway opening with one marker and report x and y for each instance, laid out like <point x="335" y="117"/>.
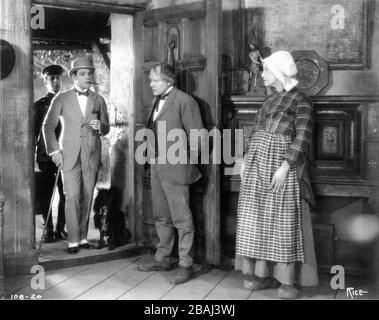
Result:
<point x="68" y="34"/>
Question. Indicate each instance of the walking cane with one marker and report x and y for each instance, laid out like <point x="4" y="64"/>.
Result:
<point x="50" y="210"/>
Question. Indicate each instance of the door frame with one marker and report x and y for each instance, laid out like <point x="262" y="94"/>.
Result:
<point x="124" y="9"/>
<point x="213" y="10"/>
<point x="99" y="6"/>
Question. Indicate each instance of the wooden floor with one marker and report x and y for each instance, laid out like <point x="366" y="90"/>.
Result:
<point x="120" y="280"/>
<point x="53" y="256"/>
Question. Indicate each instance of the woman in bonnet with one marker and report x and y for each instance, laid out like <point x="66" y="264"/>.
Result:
<point x="274" y="234"/>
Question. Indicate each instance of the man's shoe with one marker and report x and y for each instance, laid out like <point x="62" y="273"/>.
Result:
<point x="73" y="250"/>
<point x="86" y="246"/>
<point x="261" y="283"/>
<point x="287" y="292"/>
<point x="49" y="237"/>
<point x="182" y="275"/>
<point x="154" y="266"/>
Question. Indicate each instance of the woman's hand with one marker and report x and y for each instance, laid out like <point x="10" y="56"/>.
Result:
<point x="243" y="167"/>
<point x="279" y="178"/>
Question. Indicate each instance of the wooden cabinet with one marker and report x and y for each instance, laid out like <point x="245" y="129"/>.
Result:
<point x="344" y="171"/>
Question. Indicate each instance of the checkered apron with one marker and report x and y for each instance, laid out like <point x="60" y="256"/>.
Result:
<point x="269" y="224"/>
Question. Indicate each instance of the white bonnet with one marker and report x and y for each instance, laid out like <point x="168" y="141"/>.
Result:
<point x="282" y="65"/>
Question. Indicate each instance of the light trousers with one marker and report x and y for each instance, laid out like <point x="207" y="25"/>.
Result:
<point x="78" y="185"/>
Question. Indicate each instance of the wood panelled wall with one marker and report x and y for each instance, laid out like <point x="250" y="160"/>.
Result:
<point x="17" y="142"/>
<point x="122" y="96"/>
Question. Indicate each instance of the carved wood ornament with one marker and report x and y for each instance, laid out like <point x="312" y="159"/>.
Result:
<point x="312" y="71"/>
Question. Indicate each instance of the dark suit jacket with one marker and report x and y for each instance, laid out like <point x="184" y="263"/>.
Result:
<point x="77" y="133"/>
<point x="180" y="111"/>
<point x="41" y="106"/>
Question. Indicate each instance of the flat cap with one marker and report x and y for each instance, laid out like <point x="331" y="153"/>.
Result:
<point x="52" y="70"/>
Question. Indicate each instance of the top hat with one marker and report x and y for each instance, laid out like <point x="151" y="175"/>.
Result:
<point x="81" y="63"/>
<point x="52" y="70"/>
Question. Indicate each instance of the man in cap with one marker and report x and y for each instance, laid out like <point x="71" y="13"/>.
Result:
<point x="46" y="169"/>
<point x="85" y="119"/>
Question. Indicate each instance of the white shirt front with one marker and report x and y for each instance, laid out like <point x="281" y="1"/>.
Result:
<point x="160" y="105"/>
<point x="82" y="101"/>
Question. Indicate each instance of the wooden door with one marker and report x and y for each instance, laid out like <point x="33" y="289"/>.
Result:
<point x="189" y="37"/>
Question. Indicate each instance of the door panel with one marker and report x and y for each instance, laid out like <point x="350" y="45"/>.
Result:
<point x="194" y="29"/>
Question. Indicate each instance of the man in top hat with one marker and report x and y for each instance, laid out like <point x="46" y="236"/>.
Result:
<point x="78" y="153"/>
<point x="46" y="169"/>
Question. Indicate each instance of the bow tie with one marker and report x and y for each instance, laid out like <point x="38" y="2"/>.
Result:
<point x="80" y="93"/>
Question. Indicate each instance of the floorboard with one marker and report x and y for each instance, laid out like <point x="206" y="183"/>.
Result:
<point x="52" y="279"/>
<point x="82" y="282"/>
<point x="153" y="288"/>
<point x="120" y="279"/>
<point x="233" y="282"/>
<point x="117" y="285"/>
<point x="198" y="288"/>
